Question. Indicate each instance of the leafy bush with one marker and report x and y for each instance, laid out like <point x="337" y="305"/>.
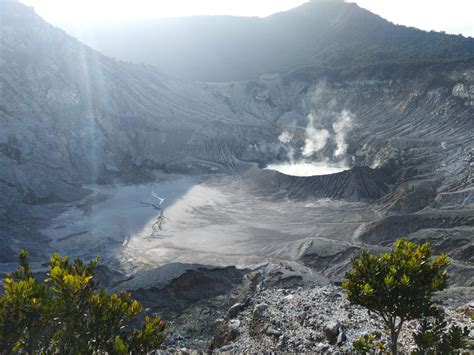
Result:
<point x="68" y="313"/>
<point x="397" y="286"/>
<point x="367" y="343"/>
<point x="434" y="337"/>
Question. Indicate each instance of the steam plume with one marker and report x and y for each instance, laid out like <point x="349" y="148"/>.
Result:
<point x="285" y="137"/>
<point x="341" y="127"/>
<point x="316" y="139"/>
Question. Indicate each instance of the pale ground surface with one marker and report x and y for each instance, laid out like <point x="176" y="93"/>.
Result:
<point x="210" y="222"/>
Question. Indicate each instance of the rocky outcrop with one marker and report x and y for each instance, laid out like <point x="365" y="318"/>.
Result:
<point x="389" y="228"/>
<point x="259" y="314"/>
<point x="315" y="319"/>
<point x="464" y="88"/>
<point x="193" y="283"/>
<point x="356" y="184"/>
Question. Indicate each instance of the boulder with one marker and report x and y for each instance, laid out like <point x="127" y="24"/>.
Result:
<point x="341" y="338"/>
<point x="273" y="332"/>
<point x="331" y="332"/>
<point x="234" y="328"/>
<point x="260" y="310"/>
<point x="235" y="309"/>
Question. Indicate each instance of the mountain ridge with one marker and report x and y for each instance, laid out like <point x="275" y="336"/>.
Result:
<point x="226" y="48"/>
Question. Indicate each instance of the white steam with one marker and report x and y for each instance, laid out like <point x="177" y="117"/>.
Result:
<point x="341" y="127"/>
<point x="291" y="155"/>
<point x="307" y="169"/>
<point x="326" y="134"/>
<point x="285" y="137"/>
<point x="321" y="147"/>
<point x="316" y="139"/>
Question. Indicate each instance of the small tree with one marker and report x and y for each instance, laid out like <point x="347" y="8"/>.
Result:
<point x="398" y="286"/>
<point x="69" y="314"/>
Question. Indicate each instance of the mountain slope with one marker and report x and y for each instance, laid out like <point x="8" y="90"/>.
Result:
<point x="222" y="48"/>
<point x="70" y="115"/>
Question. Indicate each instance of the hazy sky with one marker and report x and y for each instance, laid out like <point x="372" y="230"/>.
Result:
<point x="452" y="16"/>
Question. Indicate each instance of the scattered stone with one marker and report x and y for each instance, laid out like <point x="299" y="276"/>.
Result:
<point x="260" y="310"/>
<point x="313" y="320"/>
<point x="235" y="309"/>
<point x="233" y="326"/>
<point x="282" y="339"/>
<point x="341" y="338"/>
<point x="331" y="331"/>
<point x="273" y="332"/>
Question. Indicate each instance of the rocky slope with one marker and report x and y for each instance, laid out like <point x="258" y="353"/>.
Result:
<point x="279" y="307"/>
<point x="72" y="116"/>
<point x="318" y="319"/>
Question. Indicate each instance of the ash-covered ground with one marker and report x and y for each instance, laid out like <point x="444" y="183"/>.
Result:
<point x="202" y="220"/>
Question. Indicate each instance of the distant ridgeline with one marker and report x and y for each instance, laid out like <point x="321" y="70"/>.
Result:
<point x="320" y="33"/>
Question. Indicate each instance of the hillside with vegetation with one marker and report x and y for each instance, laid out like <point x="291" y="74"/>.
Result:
<point x="330" y="34"/>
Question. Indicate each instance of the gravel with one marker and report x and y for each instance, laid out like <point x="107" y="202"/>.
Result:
<point x="317" y="319"/>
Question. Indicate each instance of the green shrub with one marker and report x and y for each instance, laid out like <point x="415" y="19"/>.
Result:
<point x="367" y="343"/>
<point x="434" y="336"/>
<point x="68" y="313"/>
<point x="398" y="286"/>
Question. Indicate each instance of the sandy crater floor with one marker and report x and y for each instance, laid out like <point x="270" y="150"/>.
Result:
<point x="200" y="220"/>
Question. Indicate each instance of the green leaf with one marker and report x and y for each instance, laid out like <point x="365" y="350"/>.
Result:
<point x="119" y="346"/>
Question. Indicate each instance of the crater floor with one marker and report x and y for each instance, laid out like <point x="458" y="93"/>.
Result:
<point x="204" y="220"/>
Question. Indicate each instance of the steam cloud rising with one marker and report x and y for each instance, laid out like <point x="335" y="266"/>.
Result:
<point x="329" y="140"/>
<point x="316" y="139"/>
<point x="285" y="137"/>
<point x="341" y="127"/>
